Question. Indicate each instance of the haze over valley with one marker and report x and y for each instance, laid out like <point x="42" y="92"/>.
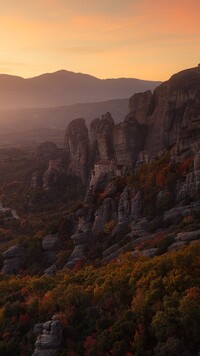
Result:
<point x="38" y="109"/>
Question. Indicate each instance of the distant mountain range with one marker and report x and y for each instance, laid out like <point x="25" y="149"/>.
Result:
<point x="65" y="88"/>
<point x="41" y="124"/>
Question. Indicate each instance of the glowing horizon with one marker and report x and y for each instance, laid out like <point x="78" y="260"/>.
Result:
<point x="145" y="39"/>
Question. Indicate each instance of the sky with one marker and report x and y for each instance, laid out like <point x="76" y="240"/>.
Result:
<point x="147" y="39"/>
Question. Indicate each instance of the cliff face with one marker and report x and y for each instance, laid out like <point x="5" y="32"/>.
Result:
<point x="168" y="118"/>
<point x="175" y="117"/>
<point x="128" y="140"/>
<point x="76" y="144"/>
<point x="140" y="106"/>
<point x="101" y="137"/>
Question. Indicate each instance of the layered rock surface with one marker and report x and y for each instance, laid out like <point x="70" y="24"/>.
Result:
<point x="49" y="339"/>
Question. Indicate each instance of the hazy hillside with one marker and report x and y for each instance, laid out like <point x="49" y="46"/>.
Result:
<point x="41" y="124"/>
<point x="65" y="88"/>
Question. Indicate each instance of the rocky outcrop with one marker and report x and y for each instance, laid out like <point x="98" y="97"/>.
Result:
<point x="176" y="246"/>
<point x="188" y="236"/>
<point x="175" y="116"/>
<point x="106" y="213"/>
<point x="49" y="341"/>
<point x="130" y="205"/>
<point x="191" y="186"/>
<point x="50" y="246"/>
<point x="171" y="216"/>
<point x="76" y="145"/>
<point x="13" y="259"/>
<point x="168" y="118"/>
<point x="113" y="252"/>
<point x="139" y="228"/>
<point x="128" y="212"/>
<point x="101" y="138"/>
<point x="83" y="235"/>
<point x="136" y="206"/>
<point x="124" y="207"/>
<point x="51" y="271"/>
<point x="54" y="177"/>
<point x="94" y="153"/>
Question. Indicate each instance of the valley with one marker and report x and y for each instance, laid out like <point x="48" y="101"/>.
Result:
<point x="103" y="255"/>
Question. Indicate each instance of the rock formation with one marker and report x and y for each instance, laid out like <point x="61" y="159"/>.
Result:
<point x="83" y="234"/>
<point x="106" y="213"/>
<point x="54" y="177"/>
<point x="76" y="146"/>
<point x="168" y="118"/>
<point x="140" y="106"/>
<point x="13" y="259"/>
<point x="104" y="136"/>
<point x="49" y="339"/>
<point x="175" y="116"/>
<point x="191" y="186"/>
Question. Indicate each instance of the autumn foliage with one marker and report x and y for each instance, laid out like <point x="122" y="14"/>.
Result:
<point x="134" y="306"/>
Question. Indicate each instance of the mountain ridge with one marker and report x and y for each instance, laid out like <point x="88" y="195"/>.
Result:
<point x="65" y="88"/>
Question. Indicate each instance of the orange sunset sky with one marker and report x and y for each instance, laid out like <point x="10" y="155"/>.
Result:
<point x="147" y="39"/>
